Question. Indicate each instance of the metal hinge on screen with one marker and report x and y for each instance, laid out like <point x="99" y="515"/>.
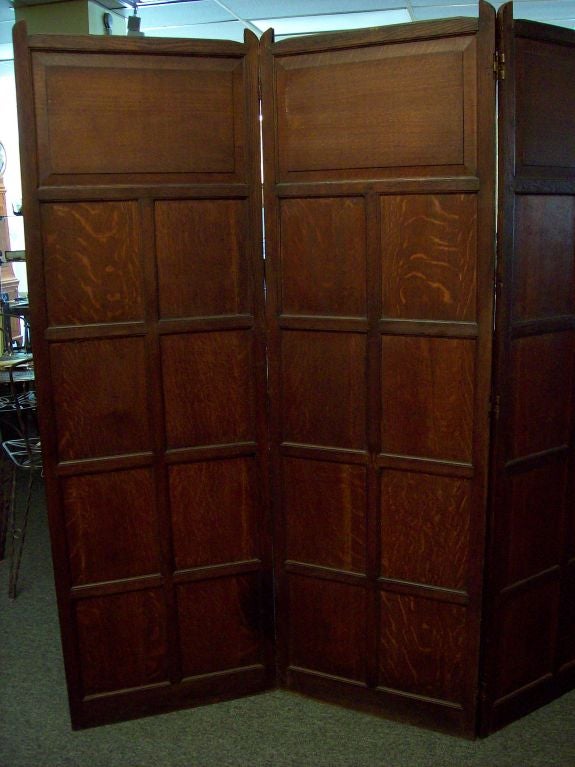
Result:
<point x="499" y="65"/>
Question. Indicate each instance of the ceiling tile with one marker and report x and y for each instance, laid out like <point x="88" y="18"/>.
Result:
<point x="301" y="25"/>
<point x="267" y="9"/>
<point x="172" y="14"/>
<point x="225" y="30"/>
<point x="7" y="15"/>
<point x="544" y="10"/>
<point x="423" y="13"/>
<point x="420" y="3"/>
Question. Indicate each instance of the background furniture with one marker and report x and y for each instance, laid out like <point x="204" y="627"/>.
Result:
<point x="21" y="452"/>
<point x="423" y="533"/>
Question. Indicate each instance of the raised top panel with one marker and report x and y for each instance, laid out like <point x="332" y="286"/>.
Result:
<point x="109" y="115"/>
<point x="384" y="107"/>
<point x="545" y="105"/>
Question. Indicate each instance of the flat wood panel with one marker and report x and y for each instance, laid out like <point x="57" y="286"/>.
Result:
<point x="214" y="512"/>
<point x="92" y="262"/>
<point x="208" y="388"/>
<point x="422" y="647"/>
<point x="323" y="388"/>
<point x="324" y="507"/>
<point x="122" y="641"/>
<point x="533" y="516"/>
<point x="386" y="106"/>
<point x="323" y="256"/>
<point x="100" y="397"/>
<point x="544" y="276"/>
<point x="425" y="523"/>
<point x="527" y="636"/>
<point x="429" y="254"/>
<point x="427" y="397"/>
<point x="327" y="628"/>
<point x="220" y="624"/>
<point x="158" y="114"/>
<point x="201" y="258"/>
<point x="542" y="375"/>
<point x="111" y="525"/>
<point x="545" y="104"/>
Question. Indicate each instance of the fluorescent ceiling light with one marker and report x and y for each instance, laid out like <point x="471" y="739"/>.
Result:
<point x="301" y="25"/>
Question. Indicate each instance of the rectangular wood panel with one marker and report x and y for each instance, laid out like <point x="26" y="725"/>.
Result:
<point x="323" y="257"/>
<point x="545" y="72"/>
<point x="111" y="512"/>
<point x="422" y="648"/>
<point x="214" y="508"/>
<point x="185" y="111"/>
<point x="102" y="239"/>
<point x="325" y="513"/>
<point x="429" y="246"/>
<point x="208" y="388"/>
<point x="416" y="90"/>
<point x="425" y="528"/>
<point x="220" y="624"/>
<point x="323" y="389"/>
<point x="201" y="249"/>
<point x="427" y="397"/>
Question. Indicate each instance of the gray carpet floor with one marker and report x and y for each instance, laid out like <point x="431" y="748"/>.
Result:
<point x="276" y="729"/>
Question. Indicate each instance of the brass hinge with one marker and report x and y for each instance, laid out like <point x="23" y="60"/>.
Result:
<point x="499" y="65"/>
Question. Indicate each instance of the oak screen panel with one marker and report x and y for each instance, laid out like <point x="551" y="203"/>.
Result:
<point x="143" y="230"/>
<point x="530" y="620"/>
<point x="379" y="213"/>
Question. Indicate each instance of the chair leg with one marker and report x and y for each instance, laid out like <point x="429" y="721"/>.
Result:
<point x="18" y="538"/>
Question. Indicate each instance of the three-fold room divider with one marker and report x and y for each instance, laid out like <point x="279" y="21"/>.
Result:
<point x="304" y="478"/>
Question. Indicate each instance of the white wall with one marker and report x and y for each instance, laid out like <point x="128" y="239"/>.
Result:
<point x="12" y="181"/>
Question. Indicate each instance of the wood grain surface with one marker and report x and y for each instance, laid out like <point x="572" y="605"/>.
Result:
<point x="323" y="257"/>
<point x="422" y="647"/>
<point x="208" y="388"/>
<point x="220" y="624"/>
<point x="327" y="629"/>
<point x="200" y="251"/>
<point x="112" y="525"/>
<point x="323" y="389"/>
<point x="214" y="512"/>
<point x="100" y="397"/>
<point x="122" y="641"/>
<point x="429" y="251"/>
<point x="93" y="262"/>
<point x="324" y="505"/>
<point x="427" y="397"/>
<point x="425" y="528"/>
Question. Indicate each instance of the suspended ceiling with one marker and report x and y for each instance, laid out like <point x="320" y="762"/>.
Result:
<point x="227" y="19"/>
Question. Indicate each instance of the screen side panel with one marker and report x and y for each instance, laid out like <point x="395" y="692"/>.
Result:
<point x="147" y="295"/>
<point x="530" y="621"/>
<point x="379" y="184"/>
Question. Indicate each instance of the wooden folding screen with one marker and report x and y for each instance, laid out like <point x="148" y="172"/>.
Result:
<point x="530" y="632"/>
<point x="379" y="150"/>
<point x="175" y="415"/>
<point x="143" y="214"/>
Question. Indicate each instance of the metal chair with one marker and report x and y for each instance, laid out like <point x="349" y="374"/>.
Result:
<point x="23" y="454"/>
